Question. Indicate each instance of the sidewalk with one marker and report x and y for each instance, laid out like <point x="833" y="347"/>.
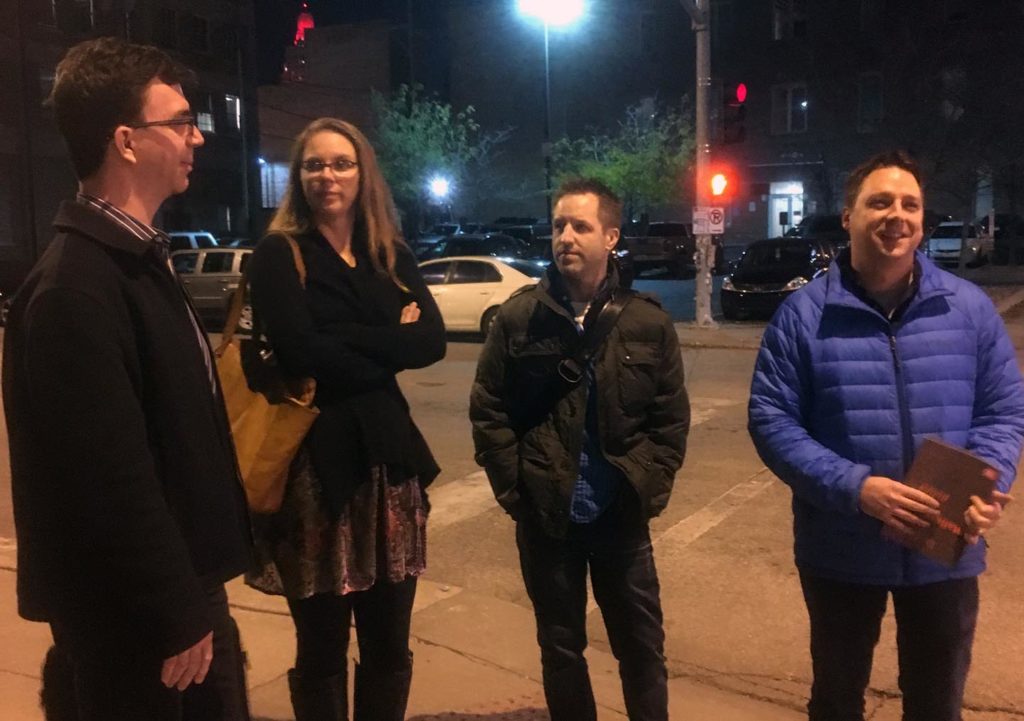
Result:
<point x="476" y="656"/>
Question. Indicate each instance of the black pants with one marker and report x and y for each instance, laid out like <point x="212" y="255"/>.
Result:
<point x="382" y="613"/>
<point x="115" y="678"/>
<point x="934" y="633"/>
<point x="617" y="550"/>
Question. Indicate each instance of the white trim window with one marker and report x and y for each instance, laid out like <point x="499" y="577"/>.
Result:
<point x="789" y="108"/>
<point x="233" y="111"/>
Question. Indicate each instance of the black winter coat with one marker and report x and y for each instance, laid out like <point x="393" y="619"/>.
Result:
<point x="528" y="424"/>
<point x="343" y="330"/>
<point x="127" y="501"/>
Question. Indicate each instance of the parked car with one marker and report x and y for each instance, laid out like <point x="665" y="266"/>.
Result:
<point x="495" y="244"/>
<point x="539" y="251"/>
<point x="667" y="244"/>
<point x="440" y="231"/>
<point x="185" y="239"/>
<point x="769" y="271"/>
<point x="211" y="276"/>
<point x="525" y="233"/>
<point x="819" y="226"/>
<point x="469" y="289"/>
<point x="944" y="243"/>
<point x="1008" y="239"/>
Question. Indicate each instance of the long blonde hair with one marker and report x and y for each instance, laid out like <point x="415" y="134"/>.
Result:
<point x="375" y="209"/>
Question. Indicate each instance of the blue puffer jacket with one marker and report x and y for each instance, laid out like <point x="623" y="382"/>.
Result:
<point x="840" y="393"/>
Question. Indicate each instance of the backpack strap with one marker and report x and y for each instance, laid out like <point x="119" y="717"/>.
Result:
<point x="573" y="366"/>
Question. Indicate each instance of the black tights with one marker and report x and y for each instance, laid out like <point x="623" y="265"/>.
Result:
<point x="382" y="615"/>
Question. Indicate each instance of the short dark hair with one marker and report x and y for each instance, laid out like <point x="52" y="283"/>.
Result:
<point x="888" y="159"/>
<point x="99" y="85"/>
<point x="609" y="207"/>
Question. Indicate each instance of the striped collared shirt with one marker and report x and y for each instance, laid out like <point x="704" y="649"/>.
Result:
<point x="162" y="241"/>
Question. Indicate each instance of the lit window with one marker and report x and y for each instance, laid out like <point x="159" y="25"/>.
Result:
<point x="205" y="122"/>
<point x="233" y="106"/>
<point x="273" y="183"/>
<point x="789" y="109"/>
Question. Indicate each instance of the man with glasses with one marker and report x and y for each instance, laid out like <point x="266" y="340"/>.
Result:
<point x="129" y="512"/>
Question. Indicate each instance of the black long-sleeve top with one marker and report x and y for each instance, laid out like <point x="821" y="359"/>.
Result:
<point x="343" y="330"/>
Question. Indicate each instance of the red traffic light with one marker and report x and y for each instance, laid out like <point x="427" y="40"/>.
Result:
<point x="741" y="92"/>
<point x="719" y="183"/>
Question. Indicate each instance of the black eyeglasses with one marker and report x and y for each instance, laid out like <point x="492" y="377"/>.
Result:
<point x="338" y="165"/>
<point x="189" y="121"/>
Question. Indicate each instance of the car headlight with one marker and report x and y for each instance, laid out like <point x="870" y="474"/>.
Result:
<point x="727" y="284"/>
<point x="798" y="282"/>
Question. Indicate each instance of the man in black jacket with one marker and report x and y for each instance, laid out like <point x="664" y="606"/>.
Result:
<point x="580" y="420"/>
<point x="129" y="512"/>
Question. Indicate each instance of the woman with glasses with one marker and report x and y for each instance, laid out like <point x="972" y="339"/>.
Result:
<point x="350" y="537"/>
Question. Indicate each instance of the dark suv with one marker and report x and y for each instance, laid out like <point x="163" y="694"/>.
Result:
<point x="494" y="244"/>
<point x="667" y="244"/>
<point x="817" y="226"/>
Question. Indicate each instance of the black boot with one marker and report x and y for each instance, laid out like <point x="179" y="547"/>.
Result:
<point x="381" y="695"/>
<point x="319" y="699"/>
<point x="57" y="695"/>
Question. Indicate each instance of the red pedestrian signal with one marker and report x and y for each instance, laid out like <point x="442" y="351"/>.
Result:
<point x="719" y="184"/>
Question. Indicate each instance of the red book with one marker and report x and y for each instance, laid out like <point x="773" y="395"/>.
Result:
<point x="951" y="476"/>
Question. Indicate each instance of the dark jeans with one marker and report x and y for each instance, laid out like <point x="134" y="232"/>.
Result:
<point x="382" y="613"/>
<point x="617" y="549"/>
<point x="934" y="632"/>
<point x="114" y="678"/>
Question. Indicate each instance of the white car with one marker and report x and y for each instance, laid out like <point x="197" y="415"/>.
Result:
<point x="943" y="245"/>
<point x="469" y="289"/>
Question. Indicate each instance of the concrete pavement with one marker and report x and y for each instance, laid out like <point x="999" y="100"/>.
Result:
<point x="476" y="657"/>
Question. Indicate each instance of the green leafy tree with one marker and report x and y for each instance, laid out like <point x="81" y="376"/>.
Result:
<point x="419" y="137"/>
<point x="645" y="160"/>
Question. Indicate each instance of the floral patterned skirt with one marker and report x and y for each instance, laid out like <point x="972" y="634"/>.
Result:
<point x="381" y="535"/>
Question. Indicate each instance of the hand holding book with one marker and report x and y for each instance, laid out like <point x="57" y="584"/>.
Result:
<point x="962" y="488"/>
<point x="900" y="507"/>
<point x="981" y="516"/>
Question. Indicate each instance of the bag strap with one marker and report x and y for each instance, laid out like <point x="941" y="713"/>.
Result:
<point x="238" y="299"/>
<point x="572" y="367"/>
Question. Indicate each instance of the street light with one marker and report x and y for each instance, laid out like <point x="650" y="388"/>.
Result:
<point x="440" y="187"/>
<point x="558" y="14"/>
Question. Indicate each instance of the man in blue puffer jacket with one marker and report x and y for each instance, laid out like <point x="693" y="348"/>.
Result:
<point x="855" y="371"/>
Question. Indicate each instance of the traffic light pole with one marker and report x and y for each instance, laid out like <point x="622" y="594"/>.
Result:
<point x="704" y="256"/>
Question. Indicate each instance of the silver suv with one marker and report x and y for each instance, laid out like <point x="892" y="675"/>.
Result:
<point x="184" y="239"/>
<point x="211" y="276"/>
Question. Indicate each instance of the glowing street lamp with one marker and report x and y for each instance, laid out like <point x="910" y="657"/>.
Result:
<point x="558" y="14"/>
<point x="440" y="187"/>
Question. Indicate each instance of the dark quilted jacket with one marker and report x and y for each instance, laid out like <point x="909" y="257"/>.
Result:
<point x="840" y="393"/>
<point x="528" y="427"/>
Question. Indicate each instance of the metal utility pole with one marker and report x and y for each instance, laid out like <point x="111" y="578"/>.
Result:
<point x="704" y="257"/>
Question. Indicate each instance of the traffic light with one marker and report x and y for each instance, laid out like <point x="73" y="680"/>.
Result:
<point x="734" y="113"/>
<point x="719" y="184"/>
